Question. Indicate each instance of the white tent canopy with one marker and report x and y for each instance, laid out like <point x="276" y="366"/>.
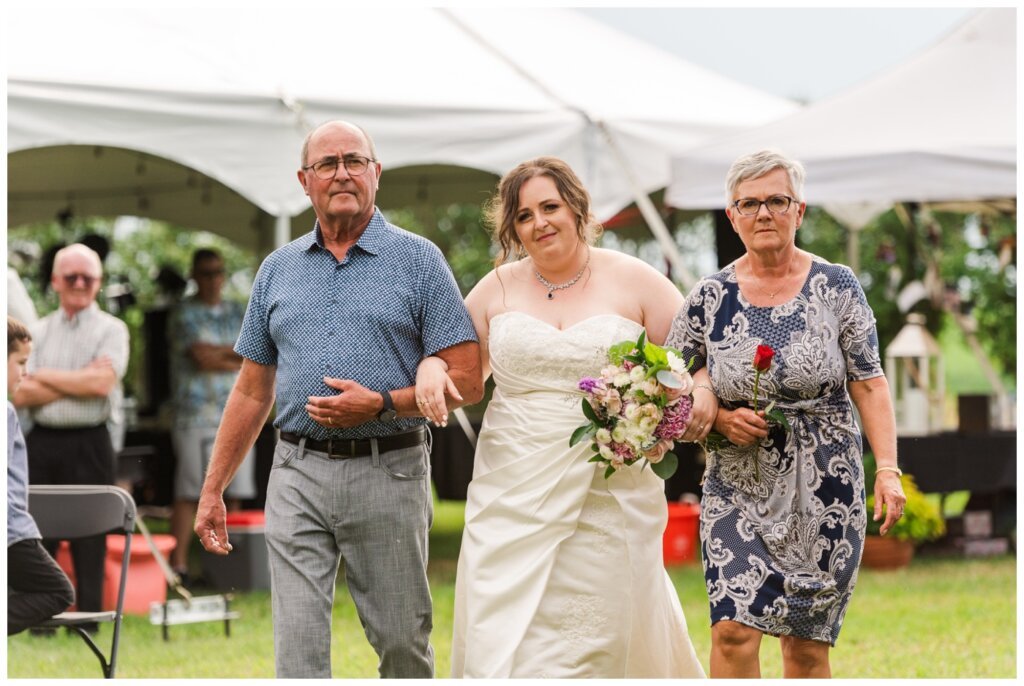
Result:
<point x="939" y="127"/>
<point x="197" y="115"/>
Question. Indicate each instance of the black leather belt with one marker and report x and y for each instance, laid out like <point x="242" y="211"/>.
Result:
<point x="344" y="448"/>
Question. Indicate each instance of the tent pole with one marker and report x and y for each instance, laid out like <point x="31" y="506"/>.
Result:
<point x="853" y="248"/>
<point x="282" y="230"/>
<point x="650" y="213"/>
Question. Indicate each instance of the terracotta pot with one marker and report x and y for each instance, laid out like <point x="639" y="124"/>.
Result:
<point x="884" y="552"/>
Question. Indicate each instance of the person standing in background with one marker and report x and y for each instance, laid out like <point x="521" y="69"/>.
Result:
<point x="203" y="330"/>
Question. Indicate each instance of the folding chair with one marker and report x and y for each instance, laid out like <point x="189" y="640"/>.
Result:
<point x="66" y="512"/>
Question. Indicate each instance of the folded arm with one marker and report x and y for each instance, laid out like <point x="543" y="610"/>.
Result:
<point x="34" y="393"/>
<point x="95" y="380"/>
<point x="357" y="404"/>
<point x="215" y="358"/>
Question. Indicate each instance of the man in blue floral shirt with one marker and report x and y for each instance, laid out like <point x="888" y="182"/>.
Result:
<point x="205" y="366"/>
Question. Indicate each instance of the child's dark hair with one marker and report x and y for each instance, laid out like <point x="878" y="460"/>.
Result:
<point x="17" y="333"/>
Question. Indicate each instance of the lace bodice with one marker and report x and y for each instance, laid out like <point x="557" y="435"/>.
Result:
<point x="529" y="354"/>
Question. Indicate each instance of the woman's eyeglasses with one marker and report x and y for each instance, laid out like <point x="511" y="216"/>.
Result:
<point x="777" y="204"/>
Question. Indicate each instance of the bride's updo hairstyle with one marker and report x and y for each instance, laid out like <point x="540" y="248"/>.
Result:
<point x="501" y="210"/>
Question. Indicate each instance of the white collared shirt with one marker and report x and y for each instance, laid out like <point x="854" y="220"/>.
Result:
<point x="69" y="343"/>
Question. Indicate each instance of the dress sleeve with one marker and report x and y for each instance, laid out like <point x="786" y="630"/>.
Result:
<point x="687" y="333"/>
<point x="858" y="337"/>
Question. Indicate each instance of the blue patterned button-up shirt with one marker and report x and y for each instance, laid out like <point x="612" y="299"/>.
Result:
<point x="200" y="395"/>
<point x="370" y="318"/>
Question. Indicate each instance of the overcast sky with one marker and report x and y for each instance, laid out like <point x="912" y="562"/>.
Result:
<point x="805" y="53"/>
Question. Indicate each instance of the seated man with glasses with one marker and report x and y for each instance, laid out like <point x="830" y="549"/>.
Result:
<point x="72" y="389"/>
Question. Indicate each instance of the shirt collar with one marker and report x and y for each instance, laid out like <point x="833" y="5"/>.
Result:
<point x="80" y="316"/>
<point x="371" y="241"/>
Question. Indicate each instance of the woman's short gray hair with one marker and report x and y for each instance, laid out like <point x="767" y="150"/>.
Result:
<point x="758" y="164"/>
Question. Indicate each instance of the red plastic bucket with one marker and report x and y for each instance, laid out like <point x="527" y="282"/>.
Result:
<point x="146" y="581"/>
<point x="681" y="539"/>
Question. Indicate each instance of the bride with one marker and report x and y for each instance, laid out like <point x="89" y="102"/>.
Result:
<point x="561" y="571"/>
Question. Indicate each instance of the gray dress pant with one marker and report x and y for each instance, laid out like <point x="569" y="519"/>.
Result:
<point x="371" y="512"/>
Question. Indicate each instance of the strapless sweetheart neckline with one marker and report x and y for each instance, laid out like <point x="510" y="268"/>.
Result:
<point x="614" y="315"/>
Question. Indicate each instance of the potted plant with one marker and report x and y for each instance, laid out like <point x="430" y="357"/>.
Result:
<point x="921" y="521"/>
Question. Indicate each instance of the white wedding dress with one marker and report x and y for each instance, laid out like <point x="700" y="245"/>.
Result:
<point x="561" y="572"/>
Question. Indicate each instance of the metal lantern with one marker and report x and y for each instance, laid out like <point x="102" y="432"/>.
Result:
<point x="913" y="365"/>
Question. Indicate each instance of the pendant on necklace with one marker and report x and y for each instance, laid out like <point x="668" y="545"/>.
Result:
<point x="551" y="295"/>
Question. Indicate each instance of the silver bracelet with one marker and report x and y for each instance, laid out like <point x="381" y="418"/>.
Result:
<point x="899" y="472"/>
<point x="706" y="388"/>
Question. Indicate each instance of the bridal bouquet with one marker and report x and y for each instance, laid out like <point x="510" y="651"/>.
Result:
<point x="637" y="408"/>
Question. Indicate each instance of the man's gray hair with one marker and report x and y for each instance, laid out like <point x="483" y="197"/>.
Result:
<point x="309" y="136"/>
<point x="758" y="164"/>
<point x="78" y="249"/>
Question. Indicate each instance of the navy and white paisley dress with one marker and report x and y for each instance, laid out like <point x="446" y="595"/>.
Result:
<point x="781" y="552"/>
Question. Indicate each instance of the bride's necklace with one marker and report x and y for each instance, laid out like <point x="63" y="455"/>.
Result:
<point x="552" y="287"/>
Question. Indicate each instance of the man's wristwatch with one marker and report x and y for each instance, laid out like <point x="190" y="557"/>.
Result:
<point x="388" y="413"/>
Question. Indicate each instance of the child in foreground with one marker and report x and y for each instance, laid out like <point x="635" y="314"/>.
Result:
<point x="37" y="588"/>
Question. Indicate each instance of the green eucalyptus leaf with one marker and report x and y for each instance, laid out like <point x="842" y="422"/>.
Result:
<point x="669" y="380"/>
<point x="667" y="467"/>
<point x="581" y="433"/>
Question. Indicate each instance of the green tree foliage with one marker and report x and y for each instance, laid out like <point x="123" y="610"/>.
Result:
<point x="139" y="249"/>
<point x="459" y="231"/>
<point x="972" y="256"/>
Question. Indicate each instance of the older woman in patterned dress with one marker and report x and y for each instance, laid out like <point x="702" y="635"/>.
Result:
<point x="783" y="512"/>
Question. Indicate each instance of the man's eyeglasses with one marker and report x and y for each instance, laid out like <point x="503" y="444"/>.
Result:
<point x="209" y="273"/>
<point x="777" y="204"/>
<point x="328" y="167"/>
<point x="72" y="279"/>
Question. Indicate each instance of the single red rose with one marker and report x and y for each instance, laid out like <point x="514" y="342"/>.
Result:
<point x="763" y="358"/>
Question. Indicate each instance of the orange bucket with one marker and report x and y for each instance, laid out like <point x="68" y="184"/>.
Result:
<point x="681" y="539"/>
<point x="146" y="581"/>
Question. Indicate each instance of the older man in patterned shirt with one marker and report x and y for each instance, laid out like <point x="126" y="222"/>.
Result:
<point x="73" y="388"/>
<point x="338" y="321"/>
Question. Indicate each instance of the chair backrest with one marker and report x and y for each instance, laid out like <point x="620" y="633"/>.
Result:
<point x="77" y="511"/>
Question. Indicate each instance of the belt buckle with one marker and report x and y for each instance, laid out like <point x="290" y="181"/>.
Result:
<point x="342" y="453"/>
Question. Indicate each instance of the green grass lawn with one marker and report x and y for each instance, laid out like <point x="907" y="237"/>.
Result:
<point x="939" y="618"/>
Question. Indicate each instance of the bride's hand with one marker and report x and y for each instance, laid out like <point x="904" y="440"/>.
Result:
<point x="432" y="381"/>
<point x="702" y="416"/>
